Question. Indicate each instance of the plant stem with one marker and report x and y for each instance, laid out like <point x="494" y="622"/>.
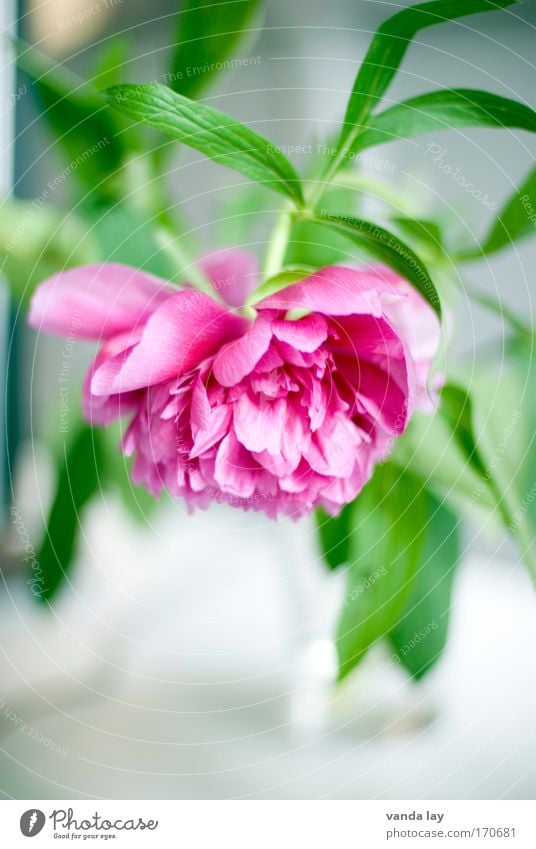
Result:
<point x="277" y="246"/>
<point x="356" y="180"/>
<point x="184" y="263"/>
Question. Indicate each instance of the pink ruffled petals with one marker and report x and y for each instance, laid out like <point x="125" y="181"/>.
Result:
<point x="277" y="415"/>
<point x="259" y="423"/>
<point x="238" y="358"/>
<point x="187" y="328"/>
<point x="97" y="301"/>
<point x="235" y="470"/>
<point x="306" y="334"/>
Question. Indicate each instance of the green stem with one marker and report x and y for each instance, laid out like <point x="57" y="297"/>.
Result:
<point x="185" y="265"/>
<point x="356" y="180"/>
<point x="342" y="152"/>
<point x="277" y="246"/>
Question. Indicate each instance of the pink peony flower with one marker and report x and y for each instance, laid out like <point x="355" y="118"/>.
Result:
<point x="281" y="413"/>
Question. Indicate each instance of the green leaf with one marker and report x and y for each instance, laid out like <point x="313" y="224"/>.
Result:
<point x="112" y="60"/>
<point x="516" y="220"/>
<point x="123" y="234"/>
<point x="388" y="248"/>
<point x="334" y="534"/>
<point x="78" y="481"/>
<point x="210" y="131"/>
<point x="36" y="240"/>
<point x="80" y="122"/>
<point x="421" y="230"/>
<point x="427" y="449"/>
<point x="387" y="51"/>
<point x="420" y="636"/>
<point x="286" y="277"/>
<point x="444" y="110"/>
<point x="208" y="34"/>
<point x="457" y="410"/>
<point x="387" y="518"/>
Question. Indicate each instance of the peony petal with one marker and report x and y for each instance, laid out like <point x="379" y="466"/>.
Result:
<point x="259" y="423"/>
<point x="234" y="274"/>
<point x="335" y="290"/>
<point x="97" y="301"/>
<point x="239" y="357"/>
<point x="305" y="334"/>
<point x="235" y="469"/>
<point x="200" y="411"/>
<point x="334" y="447"/>
<point x="217" y="427"/>
<point x="185" y="330"/>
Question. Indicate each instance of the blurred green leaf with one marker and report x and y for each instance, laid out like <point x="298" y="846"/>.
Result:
<point x="387" y="51"/>
<point x="422" y="230"/>
<point x="334" y="534"/>
<point x="519" y="453"/>
<point x="388" y="248"/>
<point x="388" y="518"/>
<point x="420" y="636"/>
<point x="427" y="448"/>
<point x="78" y="481"/>
<point x="210" y="131"/>
<point x="286" y="277"/>
<point x="310" y="243"/>
<point x="240" y="214"/>
<point x="81" y="124"/>
<point x="445" y="110"/>
<point x="457" y="409"/>
<point x="124" y="234"/>
<point x="516" y="220"/>
<point x="208" y="34"/>
<point x="37" y="240"/>
<point x="112" y="60"/>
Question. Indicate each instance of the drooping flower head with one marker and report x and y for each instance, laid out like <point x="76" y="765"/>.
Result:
<point x="281" y="413"/>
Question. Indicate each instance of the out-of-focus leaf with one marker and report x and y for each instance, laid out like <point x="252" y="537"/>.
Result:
<point x="334" y="534"/>
<point x="210" y="131"/>
<point x="240" y="213"/>
<point x="208" y="34"/>
<point x="457" y="410"/>
<point x="123" y="234"/>
<point x="388" y="518"/>
<point x="388" y="248"/>
<point x="37" y="240"/>
<point x="444" y="110"/>
<point x="387" y="51"/>
<point x="518" y="448"/>
<point x="286" y="277"/>
<point x="78" y="481"/>
<point x="81" y="124"/>
<point x="516" y="220"/>
<point x="429" y="450"/>
<point x="420" y="228"/>
<point x="420" y="636"/>
<point x="112" y="61"/>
